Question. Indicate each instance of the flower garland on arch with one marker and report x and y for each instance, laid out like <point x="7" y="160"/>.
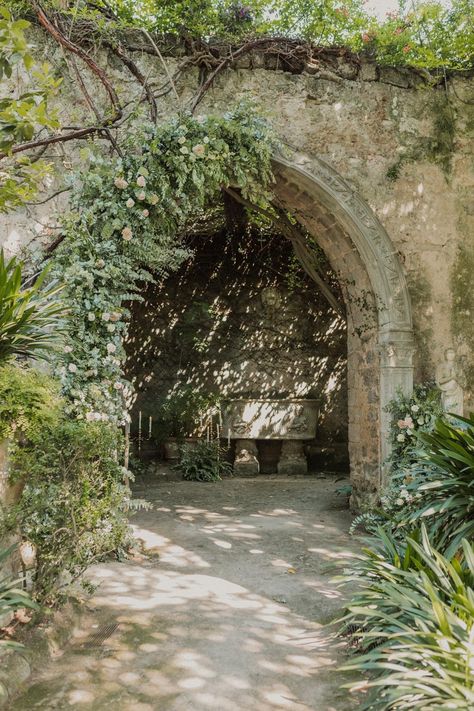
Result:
<point x="124" y="226"/>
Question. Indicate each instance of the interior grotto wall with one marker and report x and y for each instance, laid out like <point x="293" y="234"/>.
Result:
<point x="241" y="319"/>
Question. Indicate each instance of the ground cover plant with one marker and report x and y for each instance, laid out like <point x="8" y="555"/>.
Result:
<point x="203" y="461"/>
<point x="13" y="599"/>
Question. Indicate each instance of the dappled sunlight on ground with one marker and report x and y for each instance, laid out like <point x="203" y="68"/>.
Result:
<point x="228" y="614"/>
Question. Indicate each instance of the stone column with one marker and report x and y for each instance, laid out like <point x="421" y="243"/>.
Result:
<point x="396" y="375"/>
<point x="246" y="458"/>
<point x="292" y="458"/>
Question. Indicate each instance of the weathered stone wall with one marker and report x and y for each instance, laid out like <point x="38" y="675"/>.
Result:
<point x="405" y="147"/>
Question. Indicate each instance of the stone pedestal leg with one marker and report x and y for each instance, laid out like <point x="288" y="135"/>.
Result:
<point x="292" y="459"/>
<point x="246" y="460"/>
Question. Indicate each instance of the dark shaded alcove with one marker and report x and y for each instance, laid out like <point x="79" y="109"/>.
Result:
<point x="243" y="320"/>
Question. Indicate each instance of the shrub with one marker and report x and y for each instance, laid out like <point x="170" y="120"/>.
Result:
<point x="203" y="461"/>
<point x="73" y="504"/>
<point x="447" y="495"/>
<point x="414" y="621"/>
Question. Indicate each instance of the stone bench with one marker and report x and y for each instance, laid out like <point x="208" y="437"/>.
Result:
<point x="292" y="421"/>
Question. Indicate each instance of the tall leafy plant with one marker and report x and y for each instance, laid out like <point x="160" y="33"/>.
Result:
<point x="29" y="315"/>
<point x="414" y="622"/>
<point x="447" y="494"/>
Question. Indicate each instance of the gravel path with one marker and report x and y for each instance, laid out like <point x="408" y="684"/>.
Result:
<point x="232" y="615"/>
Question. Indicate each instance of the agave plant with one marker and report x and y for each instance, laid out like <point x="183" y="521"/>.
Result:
<point x="29" y="316"/>
<point x="414" y="621"/>
<point x="12" y="597"/>
<point x="447" y="494"/>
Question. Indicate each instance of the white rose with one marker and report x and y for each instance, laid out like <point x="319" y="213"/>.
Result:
<point x="100" y="264"/>
<point x="153" y="199"/>
<point x="145" y="213"/>
<point x="111" y="348"/>
<point x="181" y="140"/>
<point x="120" y="183"/>
<point x="141" y="182"/>
<point x="400" y="438"/>
<point x="106" y="316"/>
<point x="91" y="317"/>
<point x="199" y="150"/>
<point x="205" y="139"/>
<point x="184" y="150"/>
<point x="415" y="408"/>
<point x="110" y="327"/>
<point x="68" y="349"/>
<point x="127" y="234"/>
<point x="130" y="202"/>
<point x="141" y="195"/>
<point x="420" y="421"/>
<point x="399" y="502"/>
<point x="72" y="367"/>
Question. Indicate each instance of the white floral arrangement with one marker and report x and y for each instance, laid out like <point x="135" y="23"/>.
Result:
<point x="127" y="215"/>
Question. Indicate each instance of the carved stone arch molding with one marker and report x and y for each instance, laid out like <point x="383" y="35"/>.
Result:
<point x="362" y="254"/>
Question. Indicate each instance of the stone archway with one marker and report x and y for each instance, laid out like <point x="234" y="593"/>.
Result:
<point x="380" y="329"/>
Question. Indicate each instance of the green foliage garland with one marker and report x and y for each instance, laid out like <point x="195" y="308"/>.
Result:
<point x="127" y="215"/>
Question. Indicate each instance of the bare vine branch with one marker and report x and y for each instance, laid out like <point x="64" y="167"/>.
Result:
<point x="55" y="32"/>
<point x="118" y="50"/>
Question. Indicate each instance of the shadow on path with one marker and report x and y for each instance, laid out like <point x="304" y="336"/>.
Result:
<point x="230" y="617"/>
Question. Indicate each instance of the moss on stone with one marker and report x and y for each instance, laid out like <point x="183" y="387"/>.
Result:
<point x="463" y="304"/>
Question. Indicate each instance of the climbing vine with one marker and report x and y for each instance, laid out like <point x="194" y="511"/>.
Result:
<point x="124" y="229"/>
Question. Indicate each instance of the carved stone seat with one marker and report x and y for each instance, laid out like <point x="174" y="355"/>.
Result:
<point x="292" y="421"/>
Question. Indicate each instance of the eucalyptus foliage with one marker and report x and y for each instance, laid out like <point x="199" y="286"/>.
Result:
<point x="124" y="229"/>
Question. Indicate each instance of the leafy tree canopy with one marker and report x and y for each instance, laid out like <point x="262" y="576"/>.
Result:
<point x="428" y="34"/>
